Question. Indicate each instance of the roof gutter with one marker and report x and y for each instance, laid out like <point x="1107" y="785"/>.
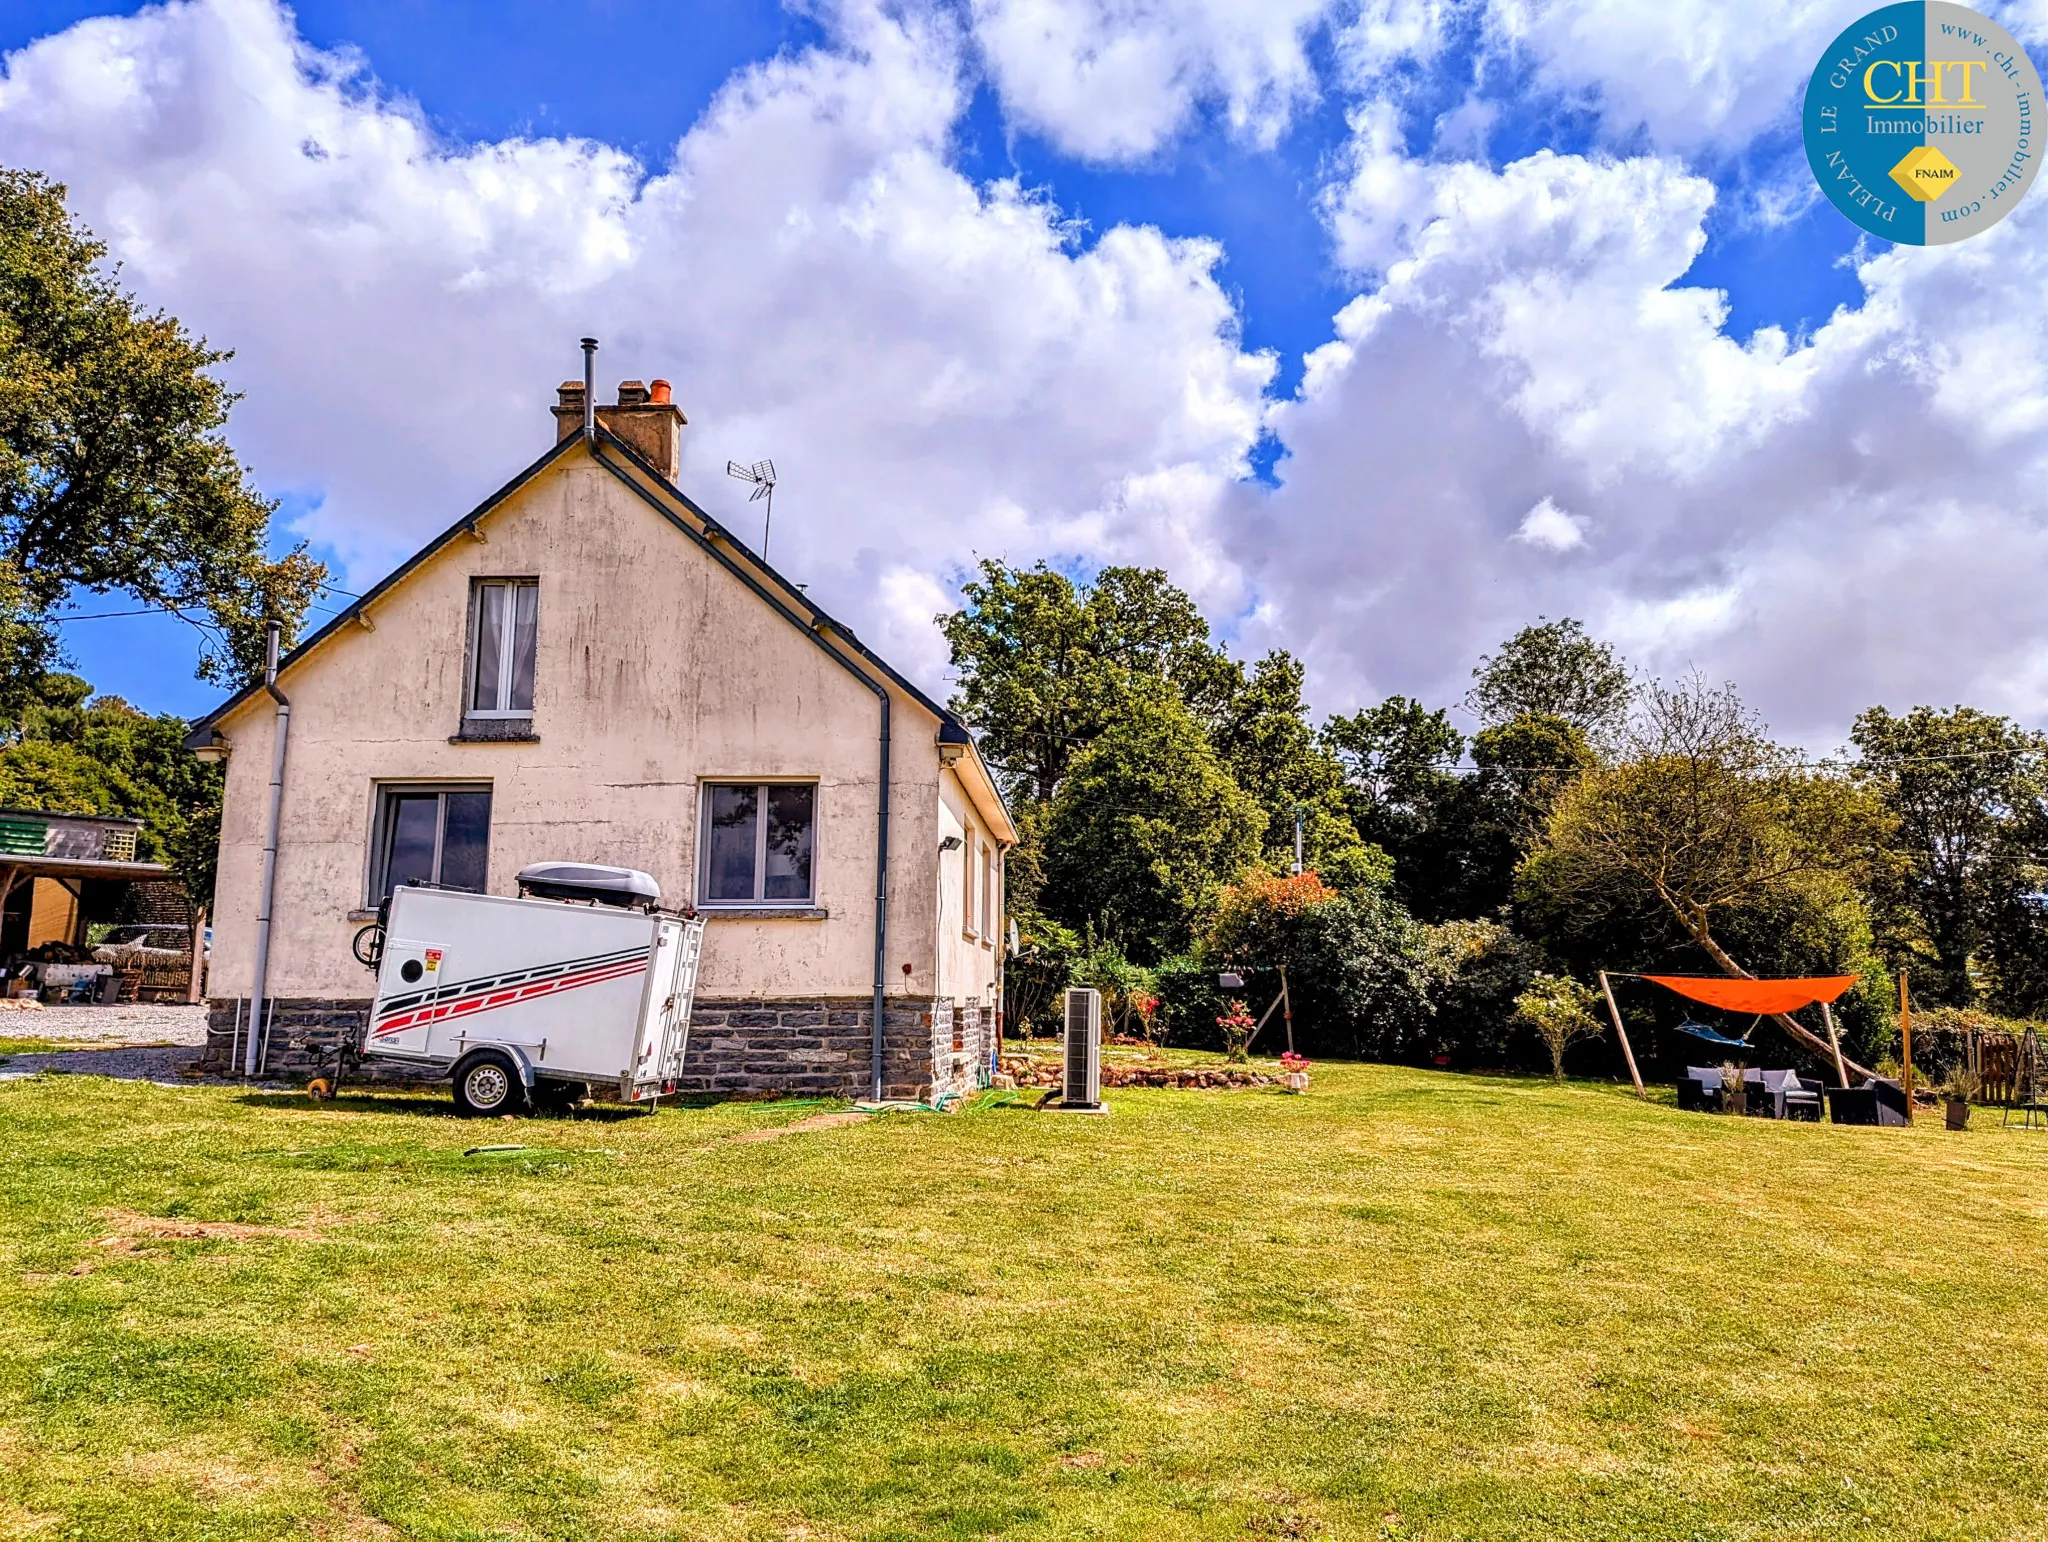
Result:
<point x="881" y="692"/>
<point x="259" y="987"/>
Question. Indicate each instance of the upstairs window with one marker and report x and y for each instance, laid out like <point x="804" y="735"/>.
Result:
<point x="501" y="667"/>
<point x="438" y="835"/>
<point x="758" y="843"/>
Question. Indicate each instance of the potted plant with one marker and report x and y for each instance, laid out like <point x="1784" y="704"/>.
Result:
<point x="1294" y="1072"/>
<point x="1960" y="1090"/>
<point x="1734" y="1093"/>
<point x="1238" y="1025"/>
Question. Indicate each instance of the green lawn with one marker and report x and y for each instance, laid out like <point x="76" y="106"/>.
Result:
<point x="1407" y="1305"/>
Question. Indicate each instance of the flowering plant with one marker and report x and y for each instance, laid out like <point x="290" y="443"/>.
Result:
<point x="1293" y="1062"/>
<point x="1238" y="1026"/>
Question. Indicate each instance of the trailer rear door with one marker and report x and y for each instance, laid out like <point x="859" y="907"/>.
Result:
<point x="664" y="1037"/>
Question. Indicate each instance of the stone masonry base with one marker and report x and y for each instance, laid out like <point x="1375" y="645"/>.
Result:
<point x="812" y="1048"/>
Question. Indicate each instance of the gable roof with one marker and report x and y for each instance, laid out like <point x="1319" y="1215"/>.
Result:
<point x="951" y="729"/>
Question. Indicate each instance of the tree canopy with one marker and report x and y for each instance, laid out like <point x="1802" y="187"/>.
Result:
<point x="1144" y="827"/>
<point x="115" y="474"/>
<point x="1963" y="788"/>
<point x="1553" y="669"/>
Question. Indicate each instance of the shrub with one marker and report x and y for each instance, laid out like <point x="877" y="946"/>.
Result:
<point x="1047" y="954"/>
<point x="1560" y="1009"/>
<point x="1476" y="969"/>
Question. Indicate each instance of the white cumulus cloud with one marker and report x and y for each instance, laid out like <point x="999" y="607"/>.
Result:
<point x="1549" y="528"/>
<point x="934" y="365"/>
<point x="1114" y="80"/>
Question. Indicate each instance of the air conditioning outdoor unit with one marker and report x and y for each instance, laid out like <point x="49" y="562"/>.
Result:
<point x="1082" y="1084"/>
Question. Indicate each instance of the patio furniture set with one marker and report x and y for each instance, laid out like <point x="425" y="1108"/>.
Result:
<point x="1786" y="1095"/>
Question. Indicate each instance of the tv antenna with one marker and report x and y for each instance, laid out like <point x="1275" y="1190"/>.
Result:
<point x="762" y="475"/>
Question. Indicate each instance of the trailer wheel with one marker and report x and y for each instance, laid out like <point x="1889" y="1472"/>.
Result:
<point x="320" y="1089"/>
<point x="487" y="1083"/>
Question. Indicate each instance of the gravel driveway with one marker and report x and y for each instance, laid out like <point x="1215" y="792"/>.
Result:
<point x="141" y="1041"/>
<point x="135" y="1023"/>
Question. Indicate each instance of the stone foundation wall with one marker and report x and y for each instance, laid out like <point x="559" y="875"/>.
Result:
<point x="814" y="1048"/>
<point x="959" y="1047"/>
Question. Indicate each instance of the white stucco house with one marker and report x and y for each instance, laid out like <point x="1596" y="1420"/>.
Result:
<point x="588" y="667"/>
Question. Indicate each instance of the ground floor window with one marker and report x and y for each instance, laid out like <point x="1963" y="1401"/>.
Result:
<point x="433" y="834"/>
<point x="757" y="843"/>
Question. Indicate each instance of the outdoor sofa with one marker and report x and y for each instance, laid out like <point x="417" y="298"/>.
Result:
<point x="1769" y="1094"/>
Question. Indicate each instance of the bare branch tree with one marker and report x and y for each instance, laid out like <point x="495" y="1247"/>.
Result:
<point x="1703" y="813"/>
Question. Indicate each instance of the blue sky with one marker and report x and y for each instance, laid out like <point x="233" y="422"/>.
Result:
<point x="1502" y="225"/>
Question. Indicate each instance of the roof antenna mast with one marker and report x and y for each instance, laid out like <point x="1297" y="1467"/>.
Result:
<point x="762" y="475"/>
<point x="590" y="390"/>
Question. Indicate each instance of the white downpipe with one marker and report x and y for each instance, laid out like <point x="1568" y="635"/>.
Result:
<point x="260" y="986"/>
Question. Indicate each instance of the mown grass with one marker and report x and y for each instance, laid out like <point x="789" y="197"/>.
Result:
<point x="1407" y="1305"/>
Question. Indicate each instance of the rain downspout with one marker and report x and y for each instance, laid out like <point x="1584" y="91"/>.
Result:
<point x="260" y="986"/>
<point x="881" y="694"/>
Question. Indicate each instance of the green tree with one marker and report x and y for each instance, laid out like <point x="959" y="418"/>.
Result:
<point x="1401" y="794"/>
<point x="1264" y="740"/>
<point x="76" y="753"/>
<point x="1961" y="788"/>
<point x="1553" y="669"/>
<point x="114" y="472"/>
<point x="1145" y="825"/>
<point x="1456" y="838"/>
<point x="1045" y="666"/>
<point x="1702" y="817"/>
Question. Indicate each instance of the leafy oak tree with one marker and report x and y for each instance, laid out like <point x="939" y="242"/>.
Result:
<point x="1962" y="788"/>
<point x="1145" y="826"/>
<point x="1045" y="666"/>
<point x="114" y="470"/>
<point x="1553" y="669"/>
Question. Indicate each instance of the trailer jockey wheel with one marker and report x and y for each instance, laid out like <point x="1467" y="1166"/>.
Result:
<point x="487" y="1083"/>
<point x="319" y="1089"/>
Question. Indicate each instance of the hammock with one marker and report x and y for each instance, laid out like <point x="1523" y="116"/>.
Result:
<point x="1713" y="1036"/>
<point x="1766" y="998"/>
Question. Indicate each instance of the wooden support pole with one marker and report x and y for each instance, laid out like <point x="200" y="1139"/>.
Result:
<point x="1834" y="1043"/>
<point x="1262" y="1019"/>
<point x="195" y="985"/>
<point x="1621" y="1033"/>
<point x="1287" y="1010"/>
<point x="1906" y="1027"/>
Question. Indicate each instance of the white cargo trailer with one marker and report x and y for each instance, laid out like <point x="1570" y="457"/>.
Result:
<point x="530" y="1000"/>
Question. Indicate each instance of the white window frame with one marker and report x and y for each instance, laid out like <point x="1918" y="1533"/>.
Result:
<point x="988" y="895"/>
<point x="507" y="646"/>
<point x="970" y="916"/>
<point x="761" y="786"/>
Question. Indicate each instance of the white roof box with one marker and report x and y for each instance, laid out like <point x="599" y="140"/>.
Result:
<point x="588" y="882"/>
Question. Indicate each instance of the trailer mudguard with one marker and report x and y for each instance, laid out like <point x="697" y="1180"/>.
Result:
<point x="518" y="1054"/>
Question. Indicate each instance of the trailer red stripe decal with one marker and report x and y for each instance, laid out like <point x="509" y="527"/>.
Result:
<point x="469" y="1007"/>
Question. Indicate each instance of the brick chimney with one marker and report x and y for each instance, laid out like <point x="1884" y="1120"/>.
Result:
<point x="646" y="419"/>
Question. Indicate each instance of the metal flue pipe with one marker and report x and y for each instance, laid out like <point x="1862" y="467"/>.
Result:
<point x="260" y="986"/>
<point x="590" y="390"/>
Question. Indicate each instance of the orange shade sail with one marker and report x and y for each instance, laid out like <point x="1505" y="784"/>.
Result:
<point x="1759" y="996"/>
